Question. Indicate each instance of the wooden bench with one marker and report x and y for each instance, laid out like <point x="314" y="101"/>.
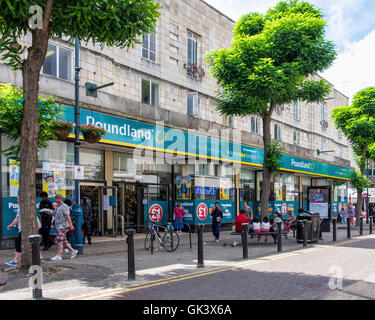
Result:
<point x="261" y="234"/>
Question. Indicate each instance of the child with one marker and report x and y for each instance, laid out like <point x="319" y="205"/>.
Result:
<point x="265" y="227"/>
<point x="256" y="226"/>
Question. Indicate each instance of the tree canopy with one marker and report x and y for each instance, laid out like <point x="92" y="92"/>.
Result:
<point x="107" y="22"/>
<point x="272" y="58"/>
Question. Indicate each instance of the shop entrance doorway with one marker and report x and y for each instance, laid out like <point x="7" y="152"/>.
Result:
<point x="136" y="200"/>
<point x="91" y="190"/>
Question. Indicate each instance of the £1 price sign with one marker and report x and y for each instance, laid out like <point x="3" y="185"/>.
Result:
<point x="284" y="209"/>
<point x="202" y="211"/>
<point x="156" y="213"/>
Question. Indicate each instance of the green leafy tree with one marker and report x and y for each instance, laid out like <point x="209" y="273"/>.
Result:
<point x="11" y="111"/>
<point x="105" y="22"/>
<point x="357" y="122"/>
<point x="272" y="61"/>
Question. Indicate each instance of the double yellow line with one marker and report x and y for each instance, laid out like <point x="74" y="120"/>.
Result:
<point x="112" y="292"/>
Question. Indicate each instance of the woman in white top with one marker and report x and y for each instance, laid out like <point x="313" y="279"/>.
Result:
<point x="265" y="227"/>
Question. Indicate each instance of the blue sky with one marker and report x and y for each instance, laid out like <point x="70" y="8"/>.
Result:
<point x="351" y="25"/>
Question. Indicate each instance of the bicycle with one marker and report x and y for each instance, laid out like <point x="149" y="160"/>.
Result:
<point x="170" y="240"/>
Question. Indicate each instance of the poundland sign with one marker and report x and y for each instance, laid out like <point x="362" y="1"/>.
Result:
<point x="130" y="133"/>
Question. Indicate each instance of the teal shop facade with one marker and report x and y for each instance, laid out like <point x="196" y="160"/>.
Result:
<point x="154" y="167"/>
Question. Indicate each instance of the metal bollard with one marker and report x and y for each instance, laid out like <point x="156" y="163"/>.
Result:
<point x="131" y="263"/>
<point x="348" y="228"/>
<point x="334" y="229"/>
<point x="361" y="226"/>
<point x="371" y="221"/>
<point x="35" y="253"/>
<point x="200" y="246"/>
<point x="152" y="241"/>
<point x="305" y="233"/>
<point x="279" y="241"/>
<point x="245" y="234"/>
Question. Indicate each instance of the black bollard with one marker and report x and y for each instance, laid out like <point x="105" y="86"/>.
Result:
<point x="371" y="221"/>
<point x="131" y="263"/>
<point x="348" y="227"/>
<point x="35" y="254"/>
<point x="334" y="229"/>
<point x="305" y="233"/>
<point x="279" y="241"/>
<point x="245" y="243"/>
<point x="361" y="226"/>
<point x="200" y="246"/>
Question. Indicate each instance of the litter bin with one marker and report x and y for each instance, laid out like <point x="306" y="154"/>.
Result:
<point x="313" y="228"/>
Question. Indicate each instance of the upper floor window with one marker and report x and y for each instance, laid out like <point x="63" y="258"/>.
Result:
<point x="296" y="110"/>
<point x="228" y="120"/>
<point x="58" y="62"/>
<point x="149" y="46"/>
<point x="193" y="104"/>
<point x="323" y="145"/>
<point x="150" y="93"/>
<point x="254" y="125"/>
<point x="323" y="112"/>
<point x="277" y="131"/>
<point x="296" y="138"/>
<point x="192" y="52"/>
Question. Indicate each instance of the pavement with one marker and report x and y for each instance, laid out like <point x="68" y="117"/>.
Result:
<point x="102" y="269"/>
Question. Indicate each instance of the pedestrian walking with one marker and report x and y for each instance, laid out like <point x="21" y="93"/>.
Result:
<point x="217" y="217"/>
<point x="352" y="211"/>
<point x="87" y="216"/>
<point x="178" y="214"/>
<point x="248" y="211"/>
<point x="63" y="224"/>
<point x="18" y="253"/>
<point x="45" y="214"/>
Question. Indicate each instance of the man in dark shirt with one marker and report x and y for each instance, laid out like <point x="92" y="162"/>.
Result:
<point x="87" y="216"/>
<point x="217" y="217"/>
<point x="45" y="214"/>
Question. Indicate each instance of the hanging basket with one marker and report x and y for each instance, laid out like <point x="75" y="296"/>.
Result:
<point x="91" y="138"/>
<point x="61" y="133"/>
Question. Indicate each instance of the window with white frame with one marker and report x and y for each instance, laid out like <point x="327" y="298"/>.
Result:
<point x="58" y="62"/>
<point x="227" y="120"/>
<point x="323" y="145"/>
<point x="192" y="52"/>
<point x="277" y="131"/>
<point x="296" y="138"/>
<point x="193" y="104"/>
<point x="323" y="112"/>
<point x="296" y="110"/>
<point x="149" y="46"/>
<point x="254" y="125"/>
<point x="150" y="93"/>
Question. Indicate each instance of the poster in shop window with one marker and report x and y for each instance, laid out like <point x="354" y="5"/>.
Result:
<point x="183" y="187"/>
<point x="278" y="191"/>
<point x="14" y="178"/>
<point x="224" y="189"/>
<point x="289" y="192"/>
<point x="319" y="201"/>
<point x="54" y="179"/>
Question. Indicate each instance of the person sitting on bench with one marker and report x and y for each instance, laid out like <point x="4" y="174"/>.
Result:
<point x="265" y="227"/>
<point x="240" y="219"/>
<point x="274" y="227"/>
<point x="290" y="222"/>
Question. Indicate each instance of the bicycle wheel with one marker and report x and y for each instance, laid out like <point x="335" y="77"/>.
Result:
<point x="171" y="240"/>
<point x="148" y="240"/>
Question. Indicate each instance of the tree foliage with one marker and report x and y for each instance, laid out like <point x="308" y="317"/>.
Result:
<point x="359" y="181"/>
<point x="106" y="22"/>
<point x="273" y="156"/>
<point x="271" y="59"/>
<point x="11" y="111"/>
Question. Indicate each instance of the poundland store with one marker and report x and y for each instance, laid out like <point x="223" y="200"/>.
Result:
<point x="140" y="167"/>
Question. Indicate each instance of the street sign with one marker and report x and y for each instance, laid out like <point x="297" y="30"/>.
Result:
<point x="284" y="209"/>
<point x="156" y="213"/>
<point x="202" y="211"/>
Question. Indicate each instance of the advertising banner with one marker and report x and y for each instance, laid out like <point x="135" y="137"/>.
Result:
<point x="14" y="178"/>
<point x="183" y="187"/>
<point x="319" y="201"/>
<point x="54" y="179"/>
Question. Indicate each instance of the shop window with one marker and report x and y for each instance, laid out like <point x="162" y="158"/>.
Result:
<point x="58" y="62"/>
<point x="93" y="162"/>
<point x="149" y="46"/>
<point x="150" y="93"/>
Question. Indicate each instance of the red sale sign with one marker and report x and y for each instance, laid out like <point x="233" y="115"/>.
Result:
<point x="156" y="213"/>
<point x="202" y="211"/>
<point x="284" y="209"/>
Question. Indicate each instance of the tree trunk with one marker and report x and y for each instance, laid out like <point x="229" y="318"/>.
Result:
<point x="266" y="184"/>
<point x="360" y="192"/>
<point x="30" y="132"/>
